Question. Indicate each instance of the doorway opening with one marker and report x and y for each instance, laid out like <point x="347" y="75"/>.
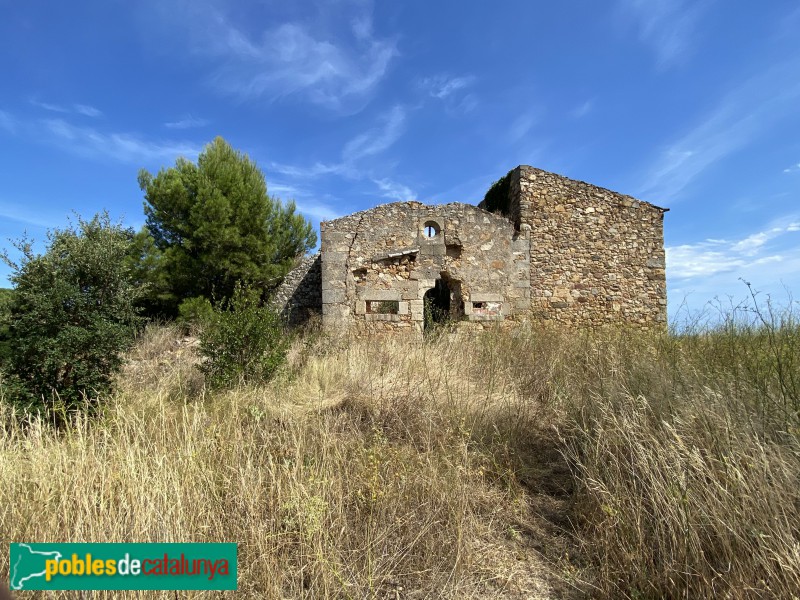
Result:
<point x="437" y="305"/>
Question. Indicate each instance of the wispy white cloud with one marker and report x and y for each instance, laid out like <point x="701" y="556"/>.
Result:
<point x="395" y="191"/>
<point x="452" y="91"/>
<point x="87" y="111"/>
<point x="307" y="172"/>
<point x="792" y="169"/>
<point x="745" y="113"/>
<point x="377" y="139"/>
<point x="442" y="86"/>
<point x="14" y="211"/>
<point x="319" y="210"/>
<point x="667" y="26"/>
<point x="186" y="122"/>
<point x="49" y="106"/>
<point x="7" y="122"/>
<point x="584" y="109"/>
<point x="353" y="164"/>
<point x="336" y="68"/>
<point x="305" y="201"/>
<point x="91" y="142"/>
<point x="79" y="109"/>
<point x="122" y="147"/>
<point x="283" y="189"/>
<point x="372" y="142"/>
<point x="522" y="125"/>
<point x="716" y="256"/>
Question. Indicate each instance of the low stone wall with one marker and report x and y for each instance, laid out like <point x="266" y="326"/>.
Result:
<point x="299" y="296"/>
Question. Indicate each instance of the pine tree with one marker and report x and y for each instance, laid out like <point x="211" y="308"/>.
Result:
<point x="214" y="225"/>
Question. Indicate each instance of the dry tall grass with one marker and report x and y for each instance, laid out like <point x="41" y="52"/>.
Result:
<point x="355" y="475"/>
<point x="535" y="463"/>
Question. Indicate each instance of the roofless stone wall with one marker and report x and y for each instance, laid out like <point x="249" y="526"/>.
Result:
<point x="553" y="249"/>
<point x="300" y="294"/>
<point x="596" y="256"/>
<point x="378" y="266"/>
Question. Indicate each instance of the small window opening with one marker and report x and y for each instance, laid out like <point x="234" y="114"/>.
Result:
<point x="383" y="307"/>
<point x="430" y="229"/>
<point x="488" y="309"/>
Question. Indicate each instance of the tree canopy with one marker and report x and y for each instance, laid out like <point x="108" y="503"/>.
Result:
<point x="72" y="312"/>
<point x="213" y="225"/>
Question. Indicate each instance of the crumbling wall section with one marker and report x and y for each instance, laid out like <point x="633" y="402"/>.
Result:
<point x="377" y="266"/>
<point x="596" y="256"/>
<point x="299" y="296"/>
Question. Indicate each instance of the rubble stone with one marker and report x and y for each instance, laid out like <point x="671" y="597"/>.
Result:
<point x="558" y="250"/>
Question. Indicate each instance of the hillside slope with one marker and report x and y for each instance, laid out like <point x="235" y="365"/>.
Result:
<point x="532" y="464"/>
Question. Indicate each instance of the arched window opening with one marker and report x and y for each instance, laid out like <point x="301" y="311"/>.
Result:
<point x="430" y="229"/>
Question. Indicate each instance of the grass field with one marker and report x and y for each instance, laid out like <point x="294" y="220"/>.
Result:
<point x="531" y="464"/>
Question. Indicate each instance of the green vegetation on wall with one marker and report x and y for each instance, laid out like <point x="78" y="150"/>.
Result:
<point x="497" y="199"/>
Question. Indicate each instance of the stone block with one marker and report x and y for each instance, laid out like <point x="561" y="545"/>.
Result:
<point x="485" y="297"/>
<point x="375" y="294"/>
<point x="333" y="258"/>
<point x="333" y="296"/>
<point x="334" y="284"/>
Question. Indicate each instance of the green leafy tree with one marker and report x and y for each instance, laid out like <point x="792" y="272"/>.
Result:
<point x="213" y="225"/>
<point x="71" y="314"/>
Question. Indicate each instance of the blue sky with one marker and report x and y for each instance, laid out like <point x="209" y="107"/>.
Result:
<point x="346" y="104"/>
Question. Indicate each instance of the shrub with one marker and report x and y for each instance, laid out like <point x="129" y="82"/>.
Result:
<point x="71" y="315"/>
<point x="243" y="341"/>
<point x="193" y="312"/>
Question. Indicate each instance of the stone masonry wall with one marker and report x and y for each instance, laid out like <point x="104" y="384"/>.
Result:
<point x="299" y="296"/>
<point x="596" y="256"/>
<point x="383" y="255"/>
<point x="564" y="251"/>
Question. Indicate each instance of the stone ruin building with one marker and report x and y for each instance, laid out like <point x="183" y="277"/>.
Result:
<point x="538" y="247"/>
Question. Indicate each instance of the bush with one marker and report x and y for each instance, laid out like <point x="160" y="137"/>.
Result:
<point x="71" y="315"/>
<point x="193" y="312"/>
<point x="243" y="341"/>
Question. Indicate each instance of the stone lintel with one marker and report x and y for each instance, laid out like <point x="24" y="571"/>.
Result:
<point x="485" y="297"/>
<point x="379" y="294"/>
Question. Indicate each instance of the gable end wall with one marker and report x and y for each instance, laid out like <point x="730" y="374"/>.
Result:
<point x="596" y="256"/>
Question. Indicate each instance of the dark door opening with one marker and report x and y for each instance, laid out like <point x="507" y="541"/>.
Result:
<point x="437" y="304"/>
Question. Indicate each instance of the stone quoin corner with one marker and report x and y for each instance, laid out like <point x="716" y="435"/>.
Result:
<point x="538" y="247"/>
